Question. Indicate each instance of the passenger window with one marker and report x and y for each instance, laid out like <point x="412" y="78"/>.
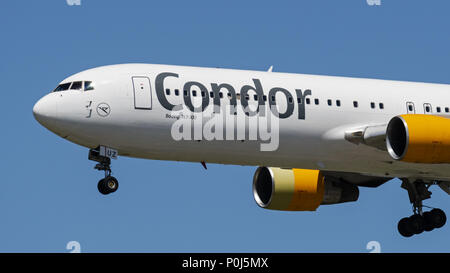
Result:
<point x="308" y="101"/>
<point x="211" y="94"/>
<point x="62" y="87"/>
<point x="88" y="86"/>
<point x="381" y="105"/>
<point x="76" y="86"/>
<point x="203" y="94"/>
<point x="438" y="109"/>
<point x="167" y="91"/>
<point x="221" y="95"/>
<point x="355" y="104"/>
<point x="338" y="103"/>
<point x="316" y="101"/>
<point x="372" y="105"/>
<point x="177" y="92"/>
<point x="264" y="98"/>
<point x="290" y="99"/>
<point x="299" y="100"/>
<point x="329" y="102"/>
<point x="194" y="93"/>
<point x="446" y="110"/>
<point x="255" y="97"/>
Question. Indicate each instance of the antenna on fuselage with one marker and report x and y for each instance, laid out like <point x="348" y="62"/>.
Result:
<point x="204" y="165"/>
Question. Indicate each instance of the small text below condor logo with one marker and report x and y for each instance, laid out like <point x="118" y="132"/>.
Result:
<point x="103" y="109"/>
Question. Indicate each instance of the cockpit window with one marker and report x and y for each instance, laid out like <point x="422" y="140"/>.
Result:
<point x="88" y="86"/>
<point x="62" y="87"/>
<point x="77" y="86"/>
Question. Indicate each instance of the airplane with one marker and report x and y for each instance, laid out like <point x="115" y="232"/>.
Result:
<point x="314" y="139"/>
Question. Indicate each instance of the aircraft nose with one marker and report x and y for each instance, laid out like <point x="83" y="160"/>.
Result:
<point x="45" y="111"/>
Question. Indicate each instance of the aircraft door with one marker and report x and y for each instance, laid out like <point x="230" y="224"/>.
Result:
<point x="142" y="93"/>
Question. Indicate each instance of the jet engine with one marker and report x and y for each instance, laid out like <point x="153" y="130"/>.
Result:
<point x="419" y="138"/>
<point x="299" y="189"/>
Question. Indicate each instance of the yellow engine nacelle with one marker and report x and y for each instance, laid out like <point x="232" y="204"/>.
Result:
<point x="299" y="189"/>
<point x="419" y="138"/>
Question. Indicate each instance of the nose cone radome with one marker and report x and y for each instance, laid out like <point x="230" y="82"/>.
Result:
<point x="45" y="111"/>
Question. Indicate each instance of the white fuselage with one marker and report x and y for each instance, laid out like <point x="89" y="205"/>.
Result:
<point x="311" y="136"/>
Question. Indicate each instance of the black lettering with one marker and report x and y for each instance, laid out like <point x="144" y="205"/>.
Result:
<point x="188" y="100"/>
<point x="159" y="86"/>
<point x="244" y="94"/>
<point x="301" y="102"/>
<point x="273" y="106"/>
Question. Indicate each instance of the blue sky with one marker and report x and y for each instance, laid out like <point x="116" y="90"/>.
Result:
<point x="49" y="194"/>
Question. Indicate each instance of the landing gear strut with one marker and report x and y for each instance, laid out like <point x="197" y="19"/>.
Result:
<point x="420" y="221"/>
<point x="109" y="184"/>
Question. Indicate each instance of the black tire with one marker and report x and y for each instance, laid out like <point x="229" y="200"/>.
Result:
<point x="427" y="221"/>
<point x="404" y="227"/>
<point x="101" y="187"/>
<point x="111" y="184"/>
<point x="416" y="223"/>
<point x="438" y="218"/>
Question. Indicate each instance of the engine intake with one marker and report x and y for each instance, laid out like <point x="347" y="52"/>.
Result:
<point x="299" y="189"/>
<point x="419" y="138"/>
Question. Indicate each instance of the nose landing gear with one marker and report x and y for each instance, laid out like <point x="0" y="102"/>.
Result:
<point x="109" y="184"/>
<point x="420" y="221"/>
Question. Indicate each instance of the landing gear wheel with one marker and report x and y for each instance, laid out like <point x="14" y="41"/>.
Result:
<point x="101" y="187"/>
<point x="404" y="227"/>
<point x="427" y="221"/>
<point x="416" y="223"/>
<point x="111" y="184"/>
<point x="438" y="218"/>
<point x="108" y="185"/>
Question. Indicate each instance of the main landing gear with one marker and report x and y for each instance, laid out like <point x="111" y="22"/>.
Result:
<point x="420" y="221"/>
<point x="109" y="184"/>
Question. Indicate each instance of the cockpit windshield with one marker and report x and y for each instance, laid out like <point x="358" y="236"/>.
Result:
<point x="88" y="86"/>
<point x="62" y="87"/>
<point x="78" y="85"/>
